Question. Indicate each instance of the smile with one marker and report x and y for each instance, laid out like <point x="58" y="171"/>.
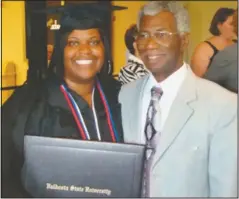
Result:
<point x="154" y="57"/>
<point x="84" y="62"/>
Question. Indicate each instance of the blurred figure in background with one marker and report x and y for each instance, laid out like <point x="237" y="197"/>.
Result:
<point x="222" y="30"/>
<point x="135" y="67"/>
<point x="224" y="68"/>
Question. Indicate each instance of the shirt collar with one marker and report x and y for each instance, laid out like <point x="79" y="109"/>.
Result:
<point x="171" y="84"/>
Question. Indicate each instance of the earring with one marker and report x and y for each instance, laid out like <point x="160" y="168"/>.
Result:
<point x="110" y="67"/>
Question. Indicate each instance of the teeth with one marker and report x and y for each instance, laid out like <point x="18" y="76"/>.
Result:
<point x="152" y="57"/>
<point x="84" y="61"/>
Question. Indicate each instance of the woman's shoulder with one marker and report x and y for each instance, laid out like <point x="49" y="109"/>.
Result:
<point x="22" y="96"/>
<point x="111" y="88"/>
<point x="27" y="94"/>
<point x="203" y="49"/>
<point x="204" y="45"/>
<point x="110" y="83"/>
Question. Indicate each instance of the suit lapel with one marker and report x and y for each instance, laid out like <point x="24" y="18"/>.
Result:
<point x="135" y="111"/>
<point x="179" y="114"/>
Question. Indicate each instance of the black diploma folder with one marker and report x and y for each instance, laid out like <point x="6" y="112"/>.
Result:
<point x="58" y="167"/>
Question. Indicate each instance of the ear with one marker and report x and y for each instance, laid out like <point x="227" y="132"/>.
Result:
<point x="219" y="26"/>
<point x="136" y="49"/>
<point x="184" y="41"/>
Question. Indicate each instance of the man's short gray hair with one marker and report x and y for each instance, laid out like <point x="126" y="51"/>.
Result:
<point x="180" y="13"/>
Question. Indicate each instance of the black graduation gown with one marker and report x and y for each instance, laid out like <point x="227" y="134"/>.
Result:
<point x="42" y="110"/>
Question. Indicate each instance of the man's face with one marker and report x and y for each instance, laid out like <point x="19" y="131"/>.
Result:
<point x="163" y="53"/>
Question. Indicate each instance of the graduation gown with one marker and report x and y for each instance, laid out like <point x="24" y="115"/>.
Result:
<point x="43" y="111"/>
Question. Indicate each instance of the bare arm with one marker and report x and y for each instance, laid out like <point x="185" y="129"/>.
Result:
<point x="201" y="58"/>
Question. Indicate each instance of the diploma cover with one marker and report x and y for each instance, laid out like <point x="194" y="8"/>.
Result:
<point x="58" y="167"/>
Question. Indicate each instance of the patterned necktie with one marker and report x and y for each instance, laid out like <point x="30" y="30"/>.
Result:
<point x="151" y="129"/>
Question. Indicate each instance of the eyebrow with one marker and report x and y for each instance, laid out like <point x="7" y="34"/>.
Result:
<point x="161" y="29"/>
<point x="156" y="29"/>
<point x="93" y="37"/>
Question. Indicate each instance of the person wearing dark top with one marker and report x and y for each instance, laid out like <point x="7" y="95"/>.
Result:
<point x="224" y="67"/>
<point x="77" y="100"/>
<point x="215" y="51"/>
<point x="222" y="37"/>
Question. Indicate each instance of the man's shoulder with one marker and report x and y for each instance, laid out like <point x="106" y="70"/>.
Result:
<point x="132" y="88"/>
<point x="209" y="91"/>
<point x="214" y="93"/>
<point x="216" y="103"/>
<point x="132" y="85"/>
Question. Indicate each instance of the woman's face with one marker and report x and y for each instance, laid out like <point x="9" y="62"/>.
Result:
<point x="235" y="22"/>
<point x="226" y="28"/>
<point x="83" y="55"/>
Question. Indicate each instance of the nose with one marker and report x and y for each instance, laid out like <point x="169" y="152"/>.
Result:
<point x="151" y="43"/>
<point x="84" y="49"/>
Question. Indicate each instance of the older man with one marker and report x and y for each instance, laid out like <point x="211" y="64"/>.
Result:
<point x="224" y="67"/>
<point x="189" y="124"/>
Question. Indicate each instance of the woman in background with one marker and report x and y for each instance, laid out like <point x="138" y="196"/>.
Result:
<point x="223" y="35"/>
<point x="224" y="67"/>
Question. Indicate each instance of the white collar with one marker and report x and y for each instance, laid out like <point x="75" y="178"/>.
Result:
<point x="171" y="83"/>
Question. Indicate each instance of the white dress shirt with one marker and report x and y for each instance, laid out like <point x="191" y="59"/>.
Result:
<point x="170" y="87"/>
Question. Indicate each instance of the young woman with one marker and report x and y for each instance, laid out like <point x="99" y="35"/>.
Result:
<point x="77" y="100"/>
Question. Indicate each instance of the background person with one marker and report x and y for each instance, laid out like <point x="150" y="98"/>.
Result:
<point x="224" y="67"/>
<point x="223" y="35"/>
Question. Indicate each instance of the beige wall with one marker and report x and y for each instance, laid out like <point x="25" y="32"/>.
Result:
<point x="1" y="36"/>
<point x="13" y="38"/>
<point x="123" y="19"/>
<point x="13" y="45"/>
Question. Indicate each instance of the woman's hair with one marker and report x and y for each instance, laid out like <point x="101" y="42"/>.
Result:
<point x="129" y="38"/>
<point x="220" y="17"/>
<point x="87" y="16"/>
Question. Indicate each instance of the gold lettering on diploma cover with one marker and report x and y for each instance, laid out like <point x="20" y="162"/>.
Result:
<point x="57" y="187"/>
<point x="85" y="189"/>
<point x="98" y="191"/>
